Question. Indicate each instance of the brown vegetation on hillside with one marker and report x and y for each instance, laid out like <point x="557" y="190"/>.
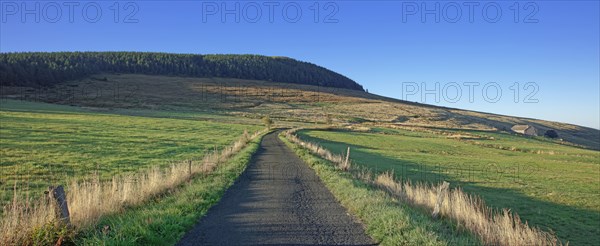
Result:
<point x="283" y="102"/>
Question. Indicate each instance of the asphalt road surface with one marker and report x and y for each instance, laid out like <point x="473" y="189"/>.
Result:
<point x="278" y="200"/>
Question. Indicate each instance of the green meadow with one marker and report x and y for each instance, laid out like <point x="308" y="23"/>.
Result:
<point x="550" y="185"/>
<point x="165" y="219"/>
<point x="45" y="144"/>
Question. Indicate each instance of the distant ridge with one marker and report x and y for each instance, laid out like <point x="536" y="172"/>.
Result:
<point x="47" y="69"/>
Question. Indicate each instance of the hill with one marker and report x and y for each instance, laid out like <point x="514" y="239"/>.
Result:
<point x="289" y="104"/>
<point x="46" y="69"/>
<point x="121" y="122"/>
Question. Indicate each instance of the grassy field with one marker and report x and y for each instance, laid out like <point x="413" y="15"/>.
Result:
<point x="386" y="220"/>
<point x="166" y="219"/>
<point x="43" y="144"/>
<point x="286" y="103"/>
<point x="133" y="122"/>
<point x="550" y="185"/>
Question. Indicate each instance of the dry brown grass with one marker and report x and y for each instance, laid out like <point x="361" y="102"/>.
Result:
<point x="469" y="212"/>
<point x="23" y="221"/>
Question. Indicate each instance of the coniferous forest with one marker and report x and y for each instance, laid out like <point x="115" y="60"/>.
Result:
<point x="35" y="69"/>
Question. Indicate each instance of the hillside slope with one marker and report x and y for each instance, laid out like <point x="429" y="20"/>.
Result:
<point x="46" y="69"/>
<point x="288" y="104"/>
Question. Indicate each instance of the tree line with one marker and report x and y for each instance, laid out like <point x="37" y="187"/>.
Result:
<point x="46" y="69"/>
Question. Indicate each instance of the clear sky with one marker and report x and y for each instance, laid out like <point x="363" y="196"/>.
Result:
<point x="393" y="48"/>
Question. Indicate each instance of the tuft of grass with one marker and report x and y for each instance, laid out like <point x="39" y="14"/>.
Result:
<point x="469" y="212"/>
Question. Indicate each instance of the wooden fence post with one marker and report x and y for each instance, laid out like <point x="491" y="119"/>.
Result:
<point x="190" y="168"/>
<point x="59" y="198"/>
<point x="346" y="162"/>
<point x="442" y="191"/>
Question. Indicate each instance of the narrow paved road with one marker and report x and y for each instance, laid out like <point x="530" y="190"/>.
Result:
<point x="278" y="200"/>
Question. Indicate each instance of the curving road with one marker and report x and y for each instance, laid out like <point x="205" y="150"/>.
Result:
<point x="278" y="200"/>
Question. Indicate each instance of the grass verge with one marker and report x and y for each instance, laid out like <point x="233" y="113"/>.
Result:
<point x="468" y="212"/>
<point x="165" y="219"/>
<point x="26" y="222"/>
<point x="550" y="186"/>
<point x="386" y="220"/>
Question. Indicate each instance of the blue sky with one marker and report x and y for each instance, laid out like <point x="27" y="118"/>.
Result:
<point x="387" y="46"/>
